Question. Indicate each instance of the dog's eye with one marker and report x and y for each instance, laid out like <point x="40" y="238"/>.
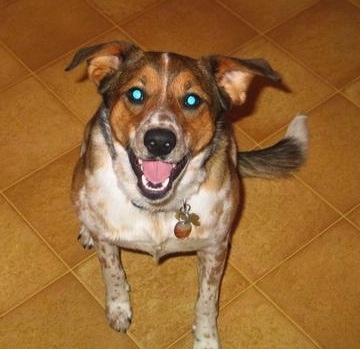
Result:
<point x="136" y="95"/>
<point x="192" y="101"/>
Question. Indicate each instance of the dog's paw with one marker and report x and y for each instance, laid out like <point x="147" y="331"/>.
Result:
<point x="85" y="238"/>
<point x="119" y="316"/>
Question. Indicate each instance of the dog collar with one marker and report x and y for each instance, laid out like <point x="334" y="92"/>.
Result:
<point x="186" y="219"/>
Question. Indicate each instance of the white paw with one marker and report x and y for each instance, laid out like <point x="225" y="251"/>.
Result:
<point x="85" y="238"/>
<point x="119" y="316"/>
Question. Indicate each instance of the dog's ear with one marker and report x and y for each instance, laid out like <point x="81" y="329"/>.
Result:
<point x="233" y="75"/>
<point x="103" y="59"/>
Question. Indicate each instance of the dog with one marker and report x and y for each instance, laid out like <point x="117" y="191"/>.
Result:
<point x="159" y="170"/>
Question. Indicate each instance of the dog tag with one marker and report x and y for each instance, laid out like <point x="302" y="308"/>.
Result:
<point x="182" y="229"/>
<point x="186" y="219"/>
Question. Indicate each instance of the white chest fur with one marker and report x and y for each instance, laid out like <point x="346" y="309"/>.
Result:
<point x="109" y="213"/>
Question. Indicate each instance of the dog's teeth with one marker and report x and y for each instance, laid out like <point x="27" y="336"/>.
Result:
<point x="166" y="182"/>
<point x="147" y="184"/>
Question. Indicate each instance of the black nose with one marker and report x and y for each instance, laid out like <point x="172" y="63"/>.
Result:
<point x="159" y="141"/>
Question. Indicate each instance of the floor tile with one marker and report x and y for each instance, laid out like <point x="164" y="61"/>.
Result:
<point x="243" y="140"/>
<point x="4" y="2"/>
<point x="279" y="217"/>
<point x="265" y="14"/>
<point x="353" y="92"/>
<point x="355" y="2"/>
<point x="119" y="11"/>
<point x="331" y="53"/>
<point x="36" y="124"/>
<point x="56" y="222"/>
<point x="354" y="216"/>
<point x="298" y="239"/>
<point x="332" y="168"/>
<point x="252" y="322"/>
<point x="194" y="29"/>
<point x="271" y="106"/>
<point x="161" y="292"/>
<point x="11" y="69"/>
<point x="62" y="316"/>
<point x="39" y="31"/>
<point x="73" y="87"/>
<point x="319" y="288"/>
<point x="27" y="264"/>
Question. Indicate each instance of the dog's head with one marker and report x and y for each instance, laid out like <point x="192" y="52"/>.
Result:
<point x="164" y="108"/>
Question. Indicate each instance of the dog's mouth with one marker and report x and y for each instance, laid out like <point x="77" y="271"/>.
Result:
<point x="155" y="178"/>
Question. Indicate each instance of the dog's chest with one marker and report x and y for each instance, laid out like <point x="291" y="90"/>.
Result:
<point x="109" y="213"/>
<point x="138" y="229"/>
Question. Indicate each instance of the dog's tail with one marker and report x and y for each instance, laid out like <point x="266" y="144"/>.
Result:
<point x="280" y="159"/>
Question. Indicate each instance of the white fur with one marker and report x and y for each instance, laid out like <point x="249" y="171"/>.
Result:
<point x="298" y="130"/>
<point x="110" y="214"/>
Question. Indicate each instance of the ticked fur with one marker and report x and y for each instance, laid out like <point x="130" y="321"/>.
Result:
<point x="159" y="141"/>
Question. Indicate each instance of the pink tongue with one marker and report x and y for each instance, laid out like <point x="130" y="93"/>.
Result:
<point x="156" y="171"/>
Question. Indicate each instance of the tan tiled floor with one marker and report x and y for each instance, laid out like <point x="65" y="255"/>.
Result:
<point x="293" y="279"/>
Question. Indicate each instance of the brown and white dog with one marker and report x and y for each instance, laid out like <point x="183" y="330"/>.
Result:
<point x="159" y="169"/>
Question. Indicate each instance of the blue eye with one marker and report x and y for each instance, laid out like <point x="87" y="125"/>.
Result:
<point x="136" y="95"/>
<point x="192" y="101"/>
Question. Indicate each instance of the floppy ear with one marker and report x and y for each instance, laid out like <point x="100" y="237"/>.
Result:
<point x="104" y="59"/>
<point x="233" y="75"/>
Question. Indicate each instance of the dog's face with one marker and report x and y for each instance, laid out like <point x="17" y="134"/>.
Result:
<point x="162" y="112"/>
<point x="165" y="108"/>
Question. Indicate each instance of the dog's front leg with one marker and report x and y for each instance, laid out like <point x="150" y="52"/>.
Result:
<point x="211" y="262"/>
<point x="118" y="307"/>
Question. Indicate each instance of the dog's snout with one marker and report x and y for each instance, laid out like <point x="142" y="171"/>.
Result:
<point x="159" y="141"/>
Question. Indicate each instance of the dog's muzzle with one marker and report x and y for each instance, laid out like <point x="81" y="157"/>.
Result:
<point x="155" y="174"/>
<point x="160" y="142"/>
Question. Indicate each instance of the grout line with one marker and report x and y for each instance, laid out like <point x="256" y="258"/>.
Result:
<point x="238" y="295"/>
<point x="59" y="98"/>
<point x="248" y="42"/>
<point x="301" y="63"/>
<point x="83" y="261"/>
<point x="287" y="316"/>
<point x="41" y="167"/>
<point x="342" y="92"/>
<point x="36" y="232"/>
<point x="322" y="198"/>
<point x="101" y="302"/>
<point x="352" y="209"/>
<point x="116" y="25"/>
<point x="349" y="220"/>
<point x="357" y="227"/>
<point x="239" y="16"/>
<point x="72" y="50"/>
<point x="290" y="17"/>
<point x="34" y="294"/>
<point x="266" y="30"/>
<point x="306" y="112"/>
<point x="88" y="289"/>
<point x="140" y="13"/>
<point x="99" y="11"/>
<point x="179" y="339"/>
<point x="297" y="251"/>
<point x="18" y="60"/>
